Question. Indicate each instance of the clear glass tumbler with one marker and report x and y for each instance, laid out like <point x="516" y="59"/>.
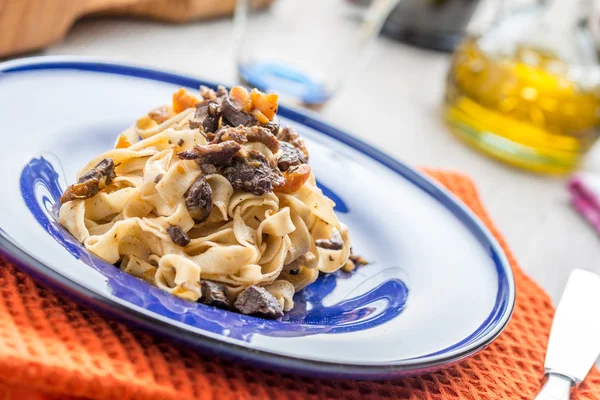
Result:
<point x="304" y="49"/>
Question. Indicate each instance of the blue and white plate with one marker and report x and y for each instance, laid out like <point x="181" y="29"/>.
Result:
<point x="438" y="288"/>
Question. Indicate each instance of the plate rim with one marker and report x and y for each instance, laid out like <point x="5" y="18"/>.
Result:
<point x="39" y="271"/>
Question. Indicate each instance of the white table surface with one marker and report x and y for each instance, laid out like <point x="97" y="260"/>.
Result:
<point x="548" y="238"/>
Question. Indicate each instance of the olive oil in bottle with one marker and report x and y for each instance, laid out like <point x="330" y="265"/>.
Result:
<point x="528" y="91"/>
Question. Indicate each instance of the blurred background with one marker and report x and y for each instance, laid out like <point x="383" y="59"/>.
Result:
<point x="507" y="92"/>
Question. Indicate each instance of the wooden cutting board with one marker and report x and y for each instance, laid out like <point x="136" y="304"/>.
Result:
<point x="28" y="25"/>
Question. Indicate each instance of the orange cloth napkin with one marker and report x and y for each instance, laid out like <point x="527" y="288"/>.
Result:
<point x="50" y="348"/>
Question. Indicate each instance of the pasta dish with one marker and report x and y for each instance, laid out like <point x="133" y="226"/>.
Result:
<point x="210" y="199"/>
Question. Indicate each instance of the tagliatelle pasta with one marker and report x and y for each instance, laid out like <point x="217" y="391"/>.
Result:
<point x="213" y="204"/>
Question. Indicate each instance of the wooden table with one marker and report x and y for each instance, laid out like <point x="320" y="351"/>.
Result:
<point x="547" y="236"/>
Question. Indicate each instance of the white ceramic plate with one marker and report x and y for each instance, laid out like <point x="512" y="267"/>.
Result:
<point x="438" y="289"/>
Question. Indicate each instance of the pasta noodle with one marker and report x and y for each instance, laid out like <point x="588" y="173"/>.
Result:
<point x="189" y="226"/>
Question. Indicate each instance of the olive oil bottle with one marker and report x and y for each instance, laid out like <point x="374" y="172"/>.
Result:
<point x="527" y="91"/>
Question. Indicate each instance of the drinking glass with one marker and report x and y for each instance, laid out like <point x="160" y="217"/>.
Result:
<point x="304" y="49"/>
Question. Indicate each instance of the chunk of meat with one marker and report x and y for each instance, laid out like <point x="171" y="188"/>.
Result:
<point x="104" y="170"/>
<point x="199" y="199"/>
<point x="257" y="301"/>
<point x="89" y="184"/>
<point x="182" y="100"/>
<point x="290" y="156"/>
<point x="210" y="94"/>
<point x="207" y="93"/>
<point x="273" y="126"/>
<point x="264" y="136"/>
<point x="160" y="114"/>
<point x="357" y="260"/>
<point x="221" y="91"/>
<point x="242" y="134"/>
<point x="237" y="134"/>
<point x="178" y="236"/>
<point x="294" y="178"/>
<point x="214" y="294"/>
<point x="208" y="169"/>
<point x="243" y="108"/>
<point x="217" y="154"/>
<point x="235" y="114"/>
<point x="290" y="135"/>
<point x="353" y="262"/>
<point x="333" y="243"/>
<point x="253" y="174"/>
<point x="208" y="115"/>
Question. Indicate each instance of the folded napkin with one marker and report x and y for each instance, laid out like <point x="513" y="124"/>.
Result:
<point x="51" y="348"/>
<point x="584" y="188"/>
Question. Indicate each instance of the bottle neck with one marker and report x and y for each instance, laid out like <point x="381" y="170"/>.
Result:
<point x="560" y="31"/>
<point x="565" y="15"/>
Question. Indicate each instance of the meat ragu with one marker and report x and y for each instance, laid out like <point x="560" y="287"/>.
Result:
<point x="89" y="184"/>
<point x="226" y="192"/>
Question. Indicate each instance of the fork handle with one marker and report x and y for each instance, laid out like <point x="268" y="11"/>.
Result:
<point x="557" y="387"/>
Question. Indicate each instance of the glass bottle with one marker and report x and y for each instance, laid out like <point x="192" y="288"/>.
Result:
<point x="527" y="91"/>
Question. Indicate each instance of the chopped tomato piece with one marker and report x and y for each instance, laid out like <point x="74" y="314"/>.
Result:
<point x="265" y="103"/>
<point x="260" y="117"/>
<point x="242" y="98"/>
<point x="122" y="142"/>
<point x="295" y="177"/>
<point x="182" y="100"/>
